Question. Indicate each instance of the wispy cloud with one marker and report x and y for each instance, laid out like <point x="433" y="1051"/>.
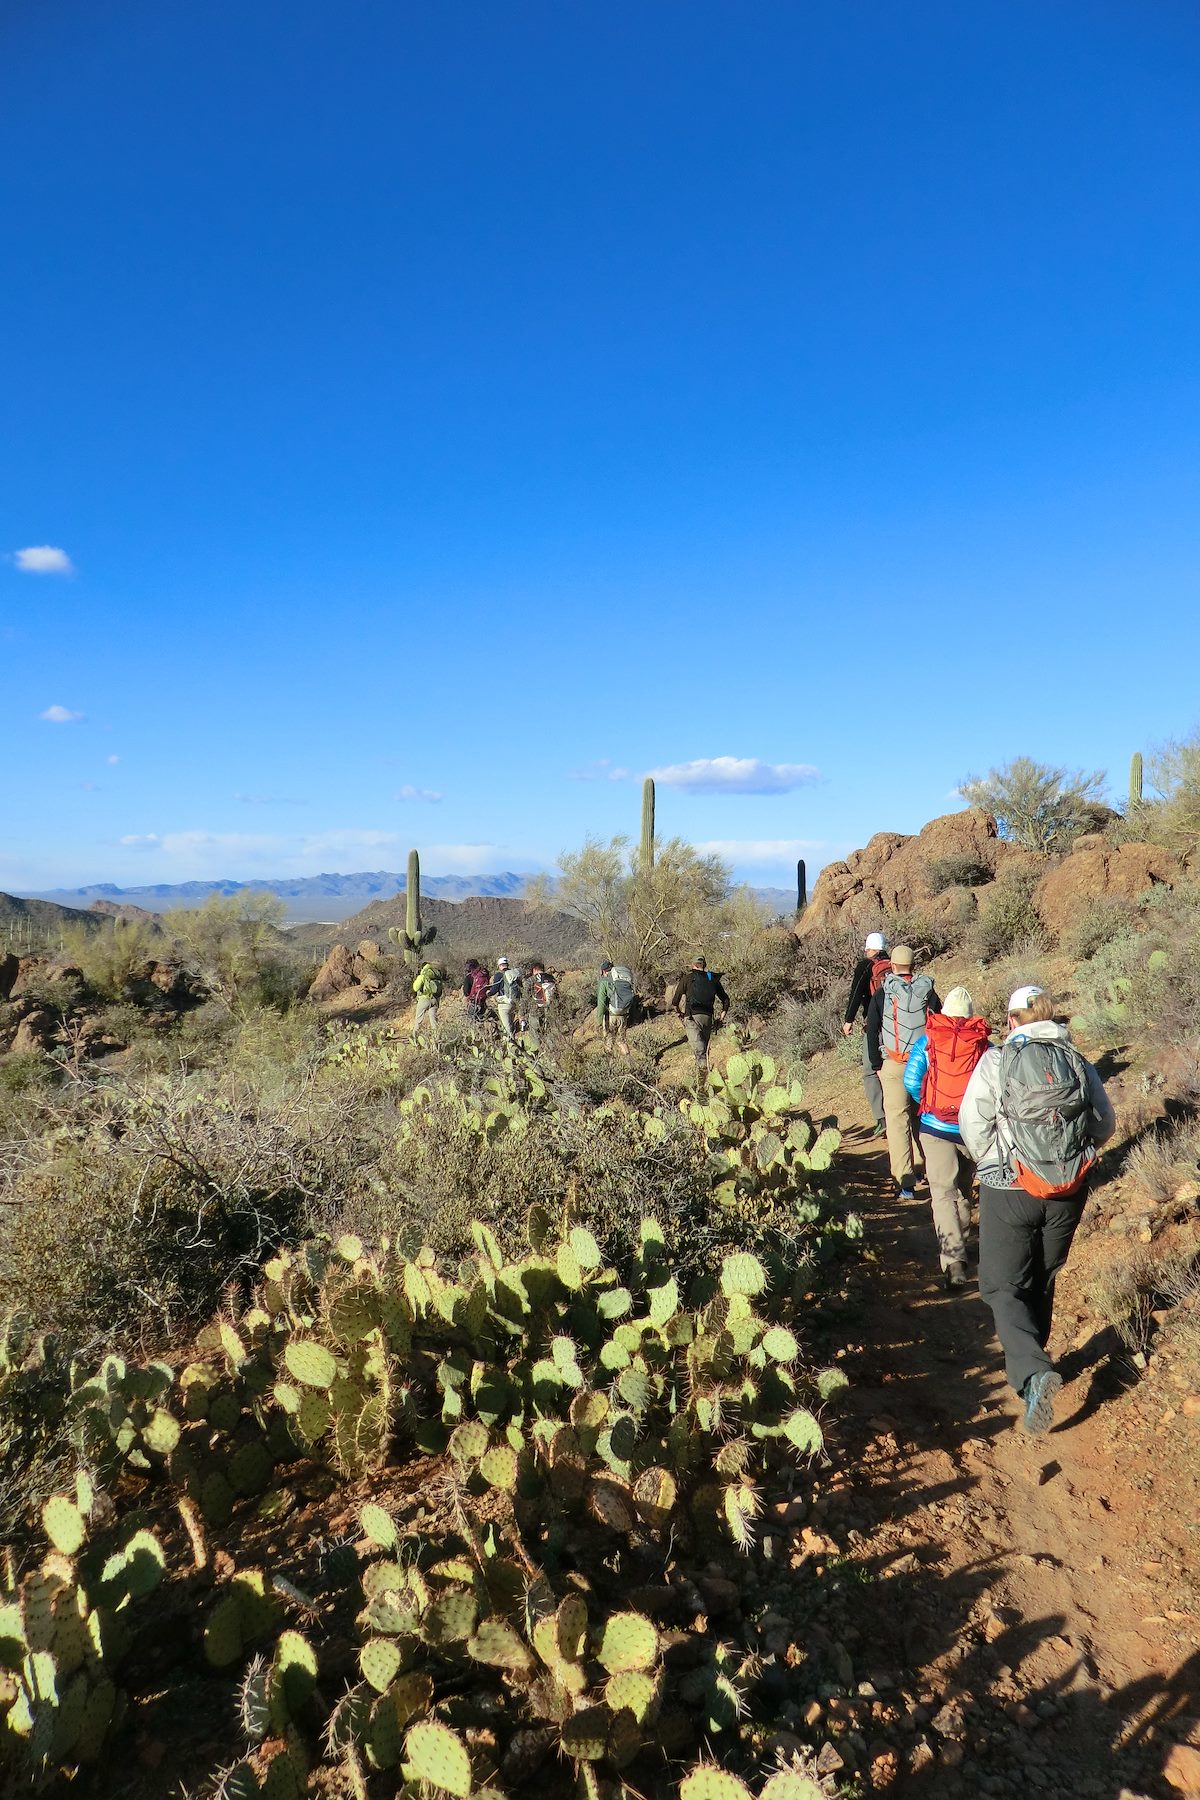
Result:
<point x="43" y="559"/>
<point x="141" y="840"/>
<point x="735" y="775"/>
<point x="112" y="761"/>
<point x="408" y="792"/>
<point x="761" y="852"/>
<point x="90" y="787"/>
<point x="239" y="855"/>
<point x="603" y="770"/>
<point x="60" y="715"/>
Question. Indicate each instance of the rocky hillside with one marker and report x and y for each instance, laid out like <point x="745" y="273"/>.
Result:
<point x="483" y="925"/>
<point x="956" y="863"/>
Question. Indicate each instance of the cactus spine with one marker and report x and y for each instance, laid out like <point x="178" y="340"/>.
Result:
<point x="1135" y="781"/>
<point x="413" y="938"/>
<point x="646" y="857"/>
<point x="801" y="886"/>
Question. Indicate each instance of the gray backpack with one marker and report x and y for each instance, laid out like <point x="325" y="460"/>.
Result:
<point x="1047" y="1109"/>
<point x="902" y="1019"/>
<point x="623" y="990"/>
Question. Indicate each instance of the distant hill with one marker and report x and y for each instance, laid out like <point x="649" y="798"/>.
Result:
<point x="29" y="924"/>
<point x="307" y="897"/>
<point x="480" y="925"/>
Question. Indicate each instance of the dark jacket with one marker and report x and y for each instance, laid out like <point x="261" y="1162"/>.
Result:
<point x="875" y="1025"/>
<point x="860" y="989"/>
<point x="699" y="989"/>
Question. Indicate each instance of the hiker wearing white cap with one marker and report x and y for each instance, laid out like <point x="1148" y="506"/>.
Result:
<point x="936" y="1074"/>
<point x="1033" y="1116"/>
<point x="895" y="1020"/>
<point x="866" y="981"/>
<point x="506" y="991"/>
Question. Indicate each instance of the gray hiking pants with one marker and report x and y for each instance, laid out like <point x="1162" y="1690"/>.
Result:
<point x="871" y="1087"/>
<point x="504" y="1012"/>
<point x="427" y="1008"/>
<point x="699" y="1030"/>
<point x="1023" y="1243"/>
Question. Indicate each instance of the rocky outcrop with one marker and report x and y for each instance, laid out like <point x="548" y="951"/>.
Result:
<point x="369" y="967"/>
<point x="895" y="875"/>
<point x="1099" y="870"/>
<point x="334" y="976"/>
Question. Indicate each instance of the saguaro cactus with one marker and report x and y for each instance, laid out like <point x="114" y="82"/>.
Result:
<point x="413" y="938"/>
<point x="1135" y="780"/>
<point x="801" y="885"/>
<point x="646" y="858"/>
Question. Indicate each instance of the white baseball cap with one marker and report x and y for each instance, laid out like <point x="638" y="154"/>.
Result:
<point x="875" y="941"/>
<point x="502" y="962"/>
<point x="1023" y="996"/>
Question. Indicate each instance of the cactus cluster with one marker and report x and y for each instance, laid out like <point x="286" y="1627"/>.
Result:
<point x="64" y="1628"/>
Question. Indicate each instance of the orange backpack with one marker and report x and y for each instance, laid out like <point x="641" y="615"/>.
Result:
<point x="955" y="1046"/>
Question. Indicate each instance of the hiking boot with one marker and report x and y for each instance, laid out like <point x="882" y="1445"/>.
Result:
<point x="879" y="1131"/>
<point x="907" y="1193"/>
<point x="957" y="1275"/>
<point x="1039" y="1393"/>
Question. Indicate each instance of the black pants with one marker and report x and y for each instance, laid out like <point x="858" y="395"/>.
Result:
<point x="1023" y="1243"/>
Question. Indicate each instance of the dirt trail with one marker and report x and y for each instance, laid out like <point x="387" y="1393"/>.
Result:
<point x="1025" y="1631"/>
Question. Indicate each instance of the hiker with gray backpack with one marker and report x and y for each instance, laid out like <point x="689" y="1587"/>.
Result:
<point x="895" y="1020"/>
<point x="615" y="996"/>
<point x="1033" y="1117"/>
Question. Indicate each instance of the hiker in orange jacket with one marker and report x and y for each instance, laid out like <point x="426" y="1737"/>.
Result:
<point x="939" y="1066"/>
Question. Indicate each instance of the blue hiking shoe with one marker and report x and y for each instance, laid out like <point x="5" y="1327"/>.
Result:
<point x="1039" y="1394"/>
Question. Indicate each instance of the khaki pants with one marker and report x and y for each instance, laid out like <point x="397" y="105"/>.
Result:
<point x="616" y="1027"/>
<point x="898" y="1112"/>
<point x="504" y="1012"/>
<point x="951" y="1174"/>
<point x="427" y="1008"/>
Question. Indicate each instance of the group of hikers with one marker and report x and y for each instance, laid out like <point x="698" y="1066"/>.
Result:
<point x="523" y="1002"/>
<point x="1027" y="1117"/>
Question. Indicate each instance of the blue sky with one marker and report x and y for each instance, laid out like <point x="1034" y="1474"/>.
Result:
<point x="461" y="401"/>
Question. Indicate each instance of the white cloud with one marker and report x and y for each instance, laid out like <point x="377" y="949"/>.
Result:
<point x="408" y="792"/>
<point x="112" y="761"/>
<point x="268" y="800"/>
<point x="60" y="715"/>
<point x="760" y="852"/>
<point x="43" y="559"/>
<point x="210" y="855"/>
<point x="735" y="775"/>
<point x="141" y="840"/>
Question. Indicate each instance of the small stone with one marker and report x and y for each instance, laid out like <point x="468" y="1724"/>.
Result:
<point x="1190" y="1408"/>
<point x="829" y="1761"/>
<point x="1182" y="1768"/>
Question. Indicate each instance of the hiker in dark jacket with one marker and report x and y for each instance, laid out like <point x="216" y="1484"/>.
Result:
<point x="475" y="984"/>
<point x="869" y="972"/>
<point x="699" y="990"/>
<point x="1033" y="1116"/>
<point x="895" y="1020"/>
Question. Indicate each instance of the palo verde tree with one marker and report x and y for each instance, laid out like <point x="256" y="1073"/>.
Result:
<point x="1038" y="806"/>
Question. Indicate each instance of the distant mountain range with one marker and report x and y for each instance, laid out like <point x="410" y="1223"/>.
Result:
<point x="314" y="899"/>
<point x="307" y="897"/>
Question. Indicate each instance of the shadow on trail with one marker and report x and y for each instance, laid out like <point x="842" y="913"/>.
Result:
<point x="948" y="1521"/>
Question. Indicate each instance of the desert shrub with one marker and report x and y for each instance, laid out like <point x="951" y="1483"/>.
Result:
<point x="1146" y="984"/>
<point x="1101" y="921"/>
<point x="1011" y="920"/>
<point x="235" y="945"/>
<point x="1166" y="1162"/>
<point x="759" y="968"/>
<point x="134" y="1221"/>
<point x="930" y="936"/>
<point x="1041" y="807"/>
<point x="943" y="872"/>
<point x="27" y="1072"/>
<point x="801" y="1028"/>
<point x="991" y="988"/>
<point x="114" y="959"/>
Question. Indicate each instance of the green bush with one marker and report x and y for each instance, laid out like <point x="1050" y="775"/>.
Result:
<point x="1011" y="919"/>
<point x="943" y="872"/>
<point x="1101" y="922"/>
